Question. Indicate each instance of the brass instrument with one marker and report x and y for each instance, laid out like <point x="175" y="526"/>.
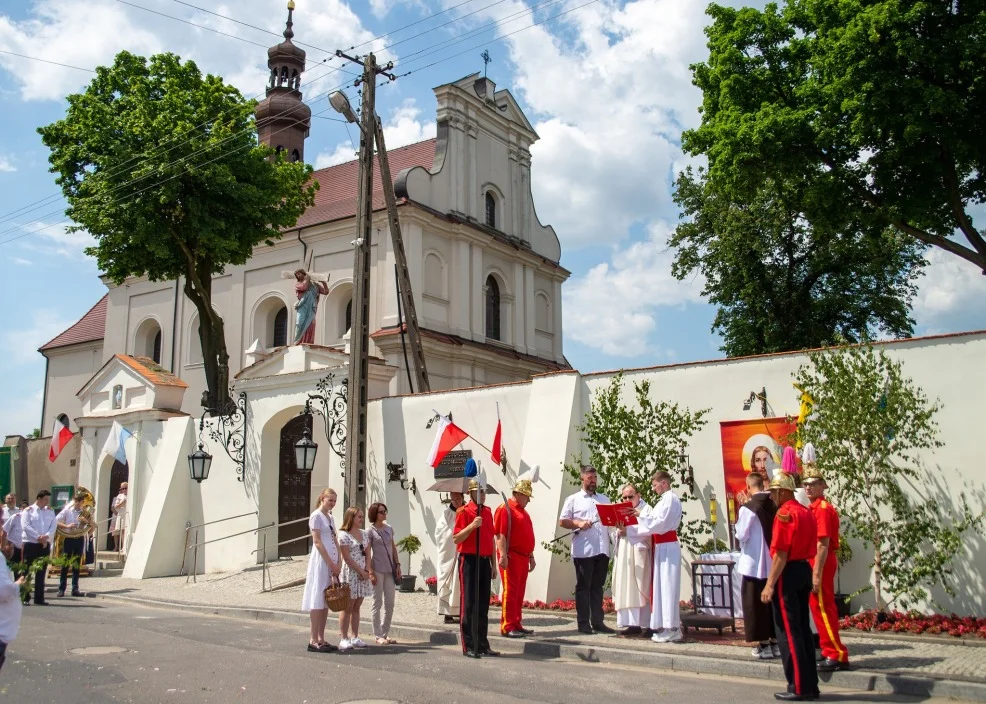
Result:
<point x="85" y="525"/>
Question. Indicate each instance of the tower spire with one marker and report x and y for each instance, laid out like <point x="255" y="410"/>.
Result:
<point x="288" y="31"/>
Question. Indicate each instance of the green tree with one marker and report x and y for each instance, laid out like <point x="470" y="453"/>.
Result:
<point x="874" y="106"/>
<point x="784" y="279"/>
<point x="870" y="425"/>
<point x="629" y="443"/>
<point x="36" y="433"/>
<point x="162" y="166"/>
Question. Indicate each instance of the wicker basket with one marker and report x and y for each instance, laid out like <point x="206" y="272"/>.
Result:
<point x="337" y="597"/>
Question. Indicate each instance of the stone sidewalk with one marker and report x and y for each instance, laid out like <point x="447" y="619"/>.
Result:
<point x="923" y="666"/>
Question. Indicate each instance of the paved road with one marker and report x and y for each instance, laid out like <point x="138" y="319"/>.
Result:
<point x="176" y="656"/>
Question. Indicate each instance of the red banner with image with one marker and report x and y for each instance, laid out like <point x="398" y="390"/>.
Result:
<point x="740" y="439"/>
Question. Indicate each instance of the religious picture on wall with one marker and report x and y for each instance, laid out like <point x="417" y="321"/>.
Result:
<point x="751" y="446"/>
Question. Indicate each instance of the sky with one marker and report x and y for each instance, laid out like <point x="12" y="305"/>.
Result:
<point x="606" y="84"/>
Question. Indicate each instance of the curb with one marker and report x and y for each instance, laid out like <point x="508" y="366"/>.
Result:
<point x="860" y="680"/>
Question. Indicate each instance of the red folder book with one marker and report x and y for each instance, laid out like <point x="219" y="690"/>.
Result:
<point x="615" y="515"/>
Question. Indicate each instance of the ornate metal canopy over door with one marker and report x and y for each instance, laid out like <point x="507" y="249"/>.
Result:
<point x="294" y="489"/>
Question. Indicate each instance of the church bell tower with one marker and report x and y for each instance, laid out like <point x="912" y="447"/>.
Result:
<point x="283" y="119"/>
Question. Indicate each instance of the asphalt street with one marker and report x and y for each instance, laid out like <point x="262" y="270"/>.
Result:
<point x="89" y="651"/>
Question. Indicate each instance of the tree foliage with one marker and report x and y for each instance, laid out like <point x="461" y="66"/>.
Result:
<point x="629" y="443"/>
<point x="786" y="275"/>
<point x="874" y="106"/>
<point x="870" y="425"/>
<point x="162" y="166"/>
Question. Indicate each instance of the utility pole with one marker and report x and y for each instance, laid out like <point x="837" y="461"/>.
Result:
<point x="371" y="131"/>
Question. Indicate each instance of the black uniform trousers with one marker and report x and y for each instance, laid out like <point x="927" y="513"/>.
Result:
<point x="71" y="547"/>
<point x="791" y="622"/>
<point x="33" y="551"/>
<point x="590" y="578"/>
<point x="469" y="565"/>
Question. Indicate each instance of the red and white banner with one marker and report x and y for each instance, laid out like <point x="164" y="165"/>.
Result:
<point x="448" y="436"/>
<point x="60" y="436"/>
<point x="495" y="453"/>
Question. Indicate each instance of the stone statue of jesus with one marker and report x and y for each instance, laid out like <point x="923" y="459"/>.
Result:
<point x="308" y="290"/>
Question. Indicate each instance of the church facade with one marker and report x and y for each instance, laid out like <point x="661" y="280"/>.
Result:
<point x="485" y="272"/>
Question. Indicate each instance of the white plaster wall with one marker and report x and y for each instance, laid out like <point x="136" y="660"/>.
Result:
<point x="69" y="368"/>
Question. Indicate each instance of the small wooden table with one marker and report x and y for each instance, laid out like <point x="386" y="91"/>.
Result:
<point x="715" y="581"/>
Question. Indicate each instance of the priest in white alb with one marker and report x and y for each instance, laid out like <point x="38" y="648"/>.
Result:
<point x="632" y="568"/>
<point x="661" y="524"/>
<point x="448" y="579"/>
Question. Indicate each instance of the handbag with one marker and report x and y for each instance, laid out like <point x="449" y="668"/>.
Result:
<point x="337" y="596"/>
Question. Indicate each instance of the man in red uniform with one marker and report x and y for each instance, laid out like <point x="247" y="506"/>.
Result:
<point x="514" y="534"/>
<point x="792" y="545"/>
<point x="475" y="571"/>
<point x="835" y="656"/>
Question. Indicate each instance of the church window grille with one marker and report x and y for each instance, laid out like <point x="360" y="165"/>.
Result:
<point x="490" y="209"/>
<point x="349" y="317"/>
<point x="492" y="308"/>
<point x="156" y="350"/>
<point x="280" y="338"/>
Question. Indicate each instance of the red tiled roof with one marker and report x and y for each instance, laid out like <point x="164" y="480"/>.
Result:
<point x="336" y="197"/>
<point x="91" y="327"/>
<point x="151" y="370"/>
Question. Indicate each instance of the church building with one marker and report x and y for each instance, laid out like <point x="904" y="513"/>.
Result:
<point x="485" y="272"/>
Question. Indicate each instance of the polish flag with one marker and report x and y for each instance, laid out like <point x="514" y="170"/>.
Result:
<point x="448" y="436"/>
<point x="60" y="437"/>
<point x="495" y="453"/>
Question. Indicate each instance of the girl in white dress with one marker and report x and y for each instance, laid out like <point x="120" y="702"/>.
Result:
<point x="323" y="561"/>
<point x="354" y="547"/>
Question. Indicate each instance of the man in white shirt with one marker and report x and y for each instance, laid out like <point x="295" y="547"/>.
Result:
<point x="10" y="608"/>
<point x="754" y="523"/>
<point x="72" y="548"/>
<point x="38" y="529"/>
<point x="590" y="551"/>
<point x="661" y="524"/>
<point x="13" y="539"/>
<point x="9" y="507"/>
<point x="632" y="567"/>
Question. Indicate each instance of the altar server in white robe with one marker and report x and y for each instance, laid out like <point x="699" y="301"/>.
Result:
<point x="632" y="574"/>
<point x="661" y="524"/>
<point x="448" y="581"/>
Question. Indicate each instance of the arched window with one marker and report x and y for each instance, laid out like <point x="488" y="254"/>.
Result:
<point x="348" y="318"/>
<point x="147" y="340"/>
<point x="492" y="308"/>
<point x="295" y="155"/>
<point x="156" y="348"/>
<point x="490" y="209"/>
<point x="280" y="337"/>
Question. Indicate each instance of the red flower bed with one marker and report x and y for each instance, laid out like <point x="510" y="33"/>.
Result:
<point x="431" y="580"/>
<point x="556" y="605"/>
<point x="899" y="622"/>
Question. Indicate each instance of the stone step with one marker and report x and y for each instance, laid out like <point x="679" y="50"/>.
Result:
<point x="109" y="556"/>
<point x="110" y="572"/>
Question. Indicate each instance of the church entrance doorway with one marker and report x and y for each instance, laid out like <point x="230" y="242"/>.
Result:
<point x="118" y="474"/>
<point x="294" y="489"/>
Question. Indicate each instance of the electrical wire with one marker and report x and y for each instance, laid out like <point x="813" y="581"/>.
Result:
<point x="46" y="61"/>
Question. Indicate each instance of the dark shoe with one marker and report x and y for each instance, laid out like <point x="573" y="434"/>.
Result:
<point x="789" y="697"/>
<point x="312" y="648"/>
<point x="327" y="648"/>
<point x="490" y="653"/>
<point x="61" y="592"/>
<point x="527" y="631"/>
<point x="514" y="634"/>
<point x="585" y="629"/>
<point x="631" y="631"/>
<point x="76" y="592"/>
<point x="471" y="654"/>
<point x="450" y="619"/>
<point x="646" y="633"/>
<point x="830" y="665"/>
<point x="40" y="603"/>
<point x="603" y="628"/>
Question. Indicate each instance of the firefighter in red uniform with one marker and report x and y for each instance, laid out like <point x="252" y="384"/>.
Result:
<point x="469" y="519"/>
<point x="514" y="534"/>
<point x="792" y="545"/>
<point x="835" y="656"/>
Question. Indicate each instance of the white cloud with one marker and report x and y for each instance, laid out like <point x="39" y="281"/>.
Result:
<point x="19" y="416"/>
<point x="950" y="285"/>
<point x="6" y="166"/>
<point x="22" y="262"/>
<point x="21" y="346"/>
<point x="403" y="127"/>
<point x="613" y="307"/>
<point x="90" y="34"/>
<point x="52" y="238"/>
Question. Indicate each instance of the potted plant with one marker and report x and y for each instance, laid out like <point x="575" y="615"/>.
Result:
<point x="432" y="583"/>
<point x="411" y="544"/>
<point x="843" y="602"/>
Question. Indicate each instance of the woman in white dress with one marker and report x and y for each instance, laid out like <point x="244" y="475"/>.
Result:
<point x="354" y="547"/>
<point x="323" y="561"/>
<point x="118" y="526"/>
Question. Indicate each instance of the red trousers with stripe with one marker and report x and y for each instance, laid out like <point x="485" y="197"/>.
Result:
<point x="826" y="616"/>
<point x="514" y="580"/>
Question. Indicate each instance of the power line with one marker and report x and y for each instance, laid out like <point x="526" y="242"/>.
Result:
<point x="46" y="61"/>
